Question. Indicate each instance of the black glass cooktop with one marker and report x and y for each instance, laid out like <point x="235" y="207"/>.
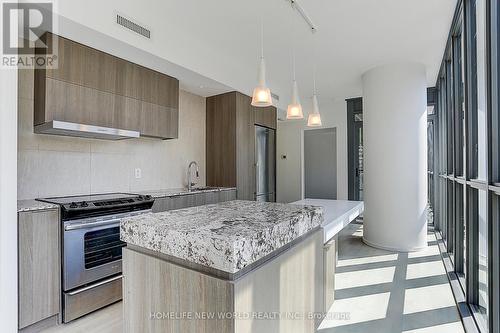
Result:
<point x="90" y="198"/>
<point x="80" y="206"/>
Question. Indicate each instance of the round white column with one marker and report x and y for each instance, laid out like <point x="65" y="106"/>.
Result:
<point x="395" y="157"/>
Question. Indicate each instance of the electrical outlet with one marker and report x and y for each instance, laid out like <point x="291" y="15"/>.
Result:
<point x="138" y="173"/>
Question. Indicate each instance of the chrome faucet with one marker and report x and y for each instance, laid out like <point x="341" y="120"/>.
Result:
<point x="191" y="183"/>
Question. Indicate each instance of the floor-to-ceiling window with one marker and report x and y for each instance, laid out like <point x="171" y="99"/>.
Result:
<point x="492" y="196"/>
<point x="355" y="148"/>
<point x="467" y="198"/>
<point x="477" y="168"/>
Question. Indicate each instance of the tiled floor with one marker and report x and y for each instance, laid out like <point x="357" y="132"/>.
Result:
<point x="381" y="291"/>
<point x="377" y="291"/>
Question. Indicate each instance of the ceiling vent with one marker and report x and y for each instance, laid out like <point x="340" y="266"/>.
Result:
<point x="124" y="22"/>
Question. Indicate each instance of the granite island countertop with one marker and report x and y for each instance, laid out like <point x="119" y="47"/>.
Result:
<point x="337" y="214"/>
<point x="228" y="236"/>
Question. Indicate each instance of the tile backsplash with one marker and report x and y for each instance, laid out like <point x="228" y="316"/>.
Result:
<point x="51" y="165"/>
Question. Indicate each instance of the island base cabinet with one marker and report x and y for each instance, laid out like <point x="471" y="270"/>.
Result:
<point x="286" y="294"/>
<point x="283" y="295"/>
<point x="156" y="294"/>
<point x="330" y="257"/>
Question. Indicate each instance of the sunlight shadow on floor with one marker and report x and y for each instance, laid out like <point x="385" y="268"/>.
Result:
<point x="367" y="260"/>
<point x="390" y="292"/>
<point x="363" y="308"/>
<point x="358" y="278"/>
<point x="428" y="298"/>
<point x="425" y="269"/>
<point x="444" y="328"/>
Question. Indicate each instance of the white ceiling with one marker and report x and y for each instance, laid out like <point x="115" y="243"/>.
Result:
<point x="215" y="44"/>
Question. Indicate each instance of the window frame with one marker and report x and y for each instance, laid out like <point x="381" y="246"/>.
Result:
<point x="457" y="184"/>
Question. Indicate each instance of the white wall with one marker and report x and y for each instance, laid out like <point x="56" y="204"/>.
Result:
<point x="8" y="205"/>
<point x="395" y="157"/>
<point x="55" y="165"/>
<point x="289" y="184"/>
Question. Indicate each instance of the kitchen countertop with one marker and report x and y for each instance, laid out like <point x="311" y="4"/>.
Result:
<point x="32" y="205"/>
<point x="182" y="191"/>
<point x="228" y="236"/>
<point x="337" y="214"/>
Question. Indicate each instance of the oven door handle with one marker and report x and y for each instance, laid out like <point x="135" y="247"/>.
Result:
<point x="91" y="224"/>
<point x="81" y="290"/>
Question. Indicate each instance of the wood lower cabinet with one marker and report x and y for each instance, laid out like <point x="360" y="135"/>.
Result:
<point x="95" y="88"/>
<point x="230" y="141"/>
<point x="38" y="266"/>
<point x="192" y="200"/>
<point x="227" y="195"/>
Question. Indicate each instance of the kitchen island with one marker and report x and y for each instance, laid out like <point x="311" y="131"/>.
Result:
<point x="237" y="266"/>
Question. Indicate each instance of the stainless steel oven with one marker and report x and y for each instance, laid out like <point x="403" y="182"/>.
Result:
<point x="92" y="249"/>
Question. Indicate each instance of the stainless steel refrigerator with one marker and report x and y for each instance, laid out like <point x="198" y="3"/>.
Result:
<point x="265" y="164"/>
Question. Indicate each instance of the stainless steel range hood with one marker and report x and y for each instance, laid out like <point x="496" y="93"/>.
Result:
<point x="85" y="131"/>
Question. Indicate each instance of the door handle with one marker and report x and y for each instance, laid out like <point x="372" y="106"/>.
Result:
<point x="116" y="220"/>
<point x="91" y="224"/>
<point x="81" y="290"/>
<point x="257" y="174"/>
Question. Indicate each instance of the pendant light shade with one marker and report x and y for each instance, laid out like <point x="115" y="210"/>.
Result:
<point x="314" y="119"/>
<point x="261" y="96"/>
<point x="294" y="110"/>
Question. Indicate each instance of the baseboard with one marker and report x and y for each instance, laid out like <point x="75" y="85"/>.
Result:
<point x="41" y="325"/>
<point x="394" y="249"/>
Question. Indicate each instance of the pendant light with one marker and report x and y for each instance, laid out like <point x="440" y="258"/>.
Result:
<point x="261" y="94"/>
<point x="294" y="110"/>
<point x="314" y="119"/>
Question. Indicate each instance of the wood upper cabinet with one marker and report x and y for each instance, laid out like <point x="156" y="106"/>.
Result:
<point x="39" y="266"/>
<point x="159" y="121"/>
<point x="95" y="88"/>
<point x="266" y="116"/>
